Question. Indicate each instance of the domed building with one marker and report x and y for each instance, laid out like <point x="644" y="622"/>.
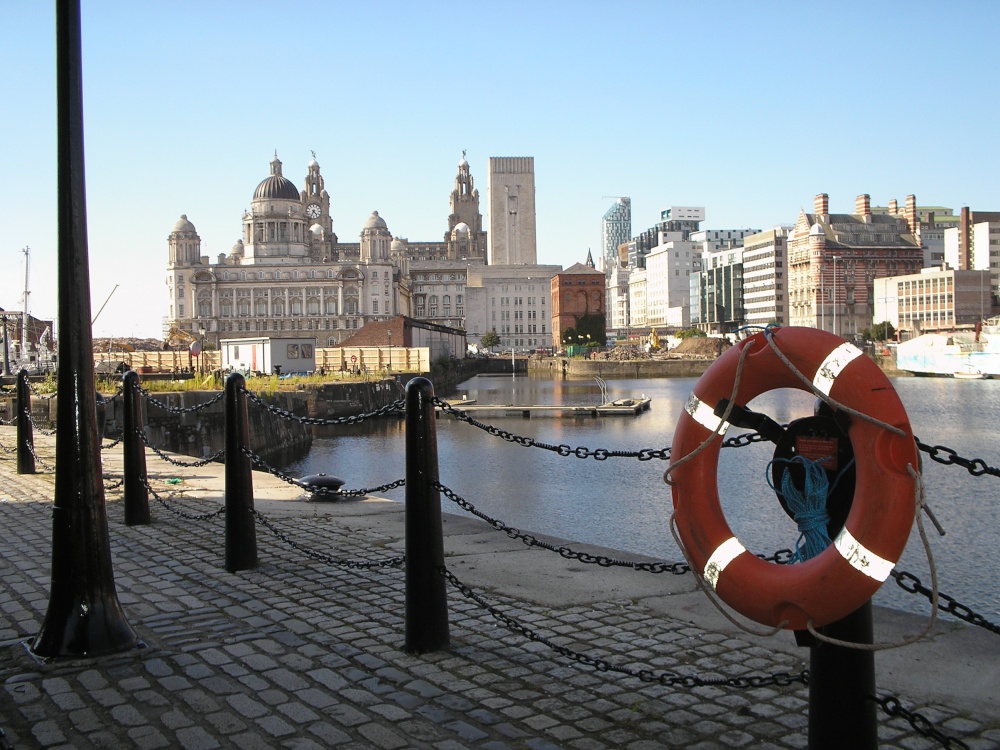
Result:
<point x="289" y="274"/>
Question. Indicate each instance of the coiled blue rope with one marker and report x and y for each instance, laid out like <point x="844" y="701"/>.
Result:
<point x="808" y="506"/>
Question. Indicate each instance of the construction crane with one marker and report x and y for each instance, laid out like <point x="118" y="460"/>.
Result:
<point x="103" y="306"/>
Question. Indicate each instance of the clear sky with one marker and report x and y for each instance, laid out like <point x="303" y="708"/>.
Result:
<point x="746" y="108"/>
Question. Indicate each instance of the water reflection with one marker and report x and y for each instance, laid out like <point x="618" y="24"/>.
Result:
<point x="624" y="503"/>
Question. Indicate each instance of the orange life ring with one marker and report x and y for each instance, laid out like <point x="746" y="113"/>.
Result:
<point x="846" y="574"/>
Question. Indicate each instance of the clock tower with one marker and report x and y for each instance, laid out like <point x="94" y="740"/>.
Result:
<point x="316" y="202"/>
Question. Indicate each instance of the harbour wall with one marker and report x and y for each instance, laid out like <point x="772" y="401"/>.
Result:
<point x="201" y="432"/>
<point x="631" y="368"/>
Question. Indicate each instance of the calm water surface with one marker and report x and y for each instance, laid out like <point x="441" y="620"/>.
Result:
<point x="624" y="503"/>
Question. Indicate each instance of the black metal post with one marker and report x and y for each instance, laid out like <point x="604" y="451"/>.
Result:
<point x="6" y="348"/>
<point x="134" y="453"/>
<point x="25" y="432"/>
<point x="84" y="617"/>
<point x="241" y="533"/>
<point x="426" y="614"/>
<point x="841" y="713"/>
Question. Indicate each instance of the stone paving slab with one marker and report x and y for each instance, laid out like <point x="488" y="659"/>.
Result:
<point x="299" y="653"/>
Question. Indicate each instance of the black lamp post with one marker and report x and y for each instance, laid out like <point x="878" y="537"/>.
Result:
<point x="6" y="350"/>
<point x="201" y="354"/>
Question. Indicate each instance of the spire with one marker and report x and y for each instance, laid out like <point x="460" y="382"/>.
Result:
<point x="590" y="259"/>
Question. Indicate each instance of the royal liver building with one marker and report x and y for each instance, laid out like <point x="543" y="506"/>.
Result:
<point x="290" y="275"/>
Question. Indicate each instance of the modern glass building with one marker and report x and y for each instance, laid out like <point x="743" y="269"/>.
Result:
<point x="616" y="229"/>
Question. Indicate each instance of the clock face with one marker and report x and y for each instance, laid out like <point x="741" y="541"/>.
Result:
<point x="313" y="211"/>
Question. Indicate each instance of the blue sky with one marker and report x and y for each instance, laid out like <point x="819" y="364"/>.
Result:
<point x="748" y="109"/>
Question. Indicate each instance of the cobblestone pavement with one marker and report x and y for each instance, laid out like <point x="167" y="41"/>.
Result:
<point x="300" y="654"/>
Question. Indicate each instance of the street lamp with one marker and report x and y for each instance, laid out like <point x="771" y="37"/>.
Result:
<point x="201" y="354"/>
<point x="6" y="350"/>
<point x="835" y="259"/>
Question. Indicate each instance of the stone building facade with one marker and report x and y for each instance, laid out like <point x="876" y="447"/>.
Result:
<point x="834" y="259"/>
<point x="290" y="273"/>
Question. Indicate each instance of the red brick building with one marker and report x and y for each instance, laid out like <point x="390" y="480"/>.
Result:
<point x="578" y="305"/>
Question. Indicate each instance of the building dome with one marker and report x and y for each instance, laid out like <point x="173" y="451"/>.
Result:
<point x="397" y="246"/>
<point x="375" y="222"/>
<point x="183" y="225"/>
<point x="278" y="187"/>
<point x="461" y="231"/>
<point x="237" y="250"/>
<point x="463" y="163"/>
<point x="316" y="229"/>
<point x="817" y="230"/>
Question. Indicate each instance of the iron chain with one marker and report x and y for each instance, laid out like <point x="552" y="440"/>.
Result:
<point x="977" y="467"/>
<point x="665" y="678"/>
<point x="600" y="454"/>
<point x="181" y="513"/>
<point x="396" y="407"/>
<point x="260" y="462"/>
<point x="912" y="584"/>
<point x="923" y="726"/>
<point x="39" y="461"/>
<point x="179" y="409"/>
<point x="203" y="462"/>
<point x="389" y="562"/>
<point x="35" y="392"/>
<point x="34" y="424"/>
<point x="677" y="569"/>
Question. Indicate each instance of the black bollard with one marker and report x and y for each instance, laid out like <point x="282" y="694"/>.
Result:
<point x="841" y="713"/>
<point x="241" y="533"/>
<point x="134" y="453"/>
<point x="426" y="613"/>
<point x="84" y="617"/>
<point x="25" y="432"/>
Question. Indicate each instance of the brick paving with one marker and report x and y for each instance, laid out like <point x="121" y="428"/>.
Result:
<point x="300" y="654"/>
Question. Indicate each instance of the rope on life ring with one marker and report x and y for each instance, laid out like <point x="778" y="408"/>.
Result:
<point x="842" y="577"/>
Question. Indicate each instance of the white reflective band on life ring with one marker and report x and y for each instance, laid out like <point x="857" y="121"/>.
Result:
<point x="724" y="554"/>
<point x="833" y="365"/>
<point x="704" y="415"/>
<point x="860" y="557"/>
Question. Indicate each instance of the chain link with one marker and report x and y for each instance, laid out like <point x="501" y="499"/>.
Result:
<point x="40" y="430"/>
<point x="38" y="460"/>
<point x="665" y="678"/>
<point x="676" y="569"/>
<point x="181" y="513"/>
<point x="9" y="422"/>
<point x="327" y="491"/>
<point x="396" y="407"/>
<point x="599" y="454"/>
<point x="42" y="396"/>
<point x="977" y="467"/>
<point x="179" y="409"/>
<point x="203" y="462"/>
<point x="112" y="485"/>
<point x="910" y="583"/>
<point x="920" y="723"/>
<point x="389" y="562"/>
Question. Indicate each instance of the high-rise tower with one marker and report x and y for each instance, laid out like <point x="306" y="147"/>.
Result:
<point x="616" y="230"/>
<point x="512" y="211"/>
